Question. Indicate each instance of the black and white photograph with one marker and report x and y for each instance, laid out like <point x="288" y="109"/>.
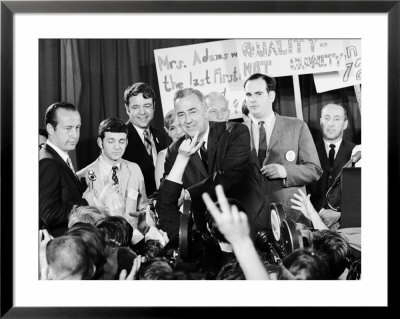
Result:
<point x="178" y="157"/>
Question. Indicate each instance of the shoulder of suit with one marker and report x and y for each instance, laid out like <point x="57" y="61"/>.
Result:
<point x="82" y="173"/>
<point x="131" y="165"/>
<point x="234" y="126"/>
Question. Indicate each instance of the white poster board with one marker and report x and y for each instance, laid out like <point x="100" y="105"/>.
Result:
<point x="348" y="77"/>
<point x="208" y="67"/>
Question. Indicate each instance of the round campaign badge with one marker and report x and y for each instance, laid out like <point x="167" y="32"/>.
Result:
<point x="290" y="156"/>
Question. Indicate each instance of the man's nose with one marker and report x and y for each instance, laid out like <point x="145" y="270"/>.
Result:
<point x="74" y="133"/>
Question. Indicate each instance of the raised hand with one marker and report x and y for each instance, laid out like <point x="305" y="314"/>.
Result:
<point x="190" y="146"/>
<point x="303" y="204"/>
<point x="231" y="223"/>
<point x="135" y="268"/>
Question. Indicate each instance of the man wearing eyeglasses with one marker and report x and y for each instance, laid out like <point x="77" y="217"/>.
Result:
<point x="145" y="141"/>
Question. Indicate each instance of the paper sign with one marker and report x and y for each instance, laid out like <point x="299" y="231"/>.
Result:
<point x="348" y="77"/>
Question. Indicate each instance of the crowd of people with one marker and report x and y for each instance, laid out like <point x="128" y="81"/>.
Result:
<point x="193" y="209"/>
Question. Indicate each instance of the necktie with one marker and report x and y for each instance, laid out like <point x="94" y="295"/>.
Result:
<point x="204" y="156"/>
<point x="69" y="163"/>
<point x="114" y="175"/>
<point x="147" y="142"/>
<point x="262" y="142"/>
<point x="332" y="155"/>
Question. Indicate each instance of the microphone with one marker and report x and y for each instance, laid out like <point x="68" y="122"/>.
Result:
<point x="92" y="178"/>
<point x="356" y="157"/>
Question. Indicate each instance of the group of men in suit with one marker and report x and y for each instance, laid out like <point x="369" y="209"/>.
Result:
<point x="262" y="161"/>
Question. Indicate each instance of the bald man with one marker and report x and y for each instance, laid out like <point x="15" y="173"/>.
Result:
<point x="217" y="107"/>
<point x="332" y="150"/>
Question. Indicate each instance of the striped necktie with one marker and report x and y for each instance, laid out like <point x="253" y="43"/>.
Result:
<point x="147" y="142"/>
<point x="262" y="142"/>
<point x="114" y="175"/>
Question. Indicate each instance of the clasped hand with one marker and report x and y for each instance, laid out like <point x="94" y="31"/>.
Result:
<point x="274" y="171"/>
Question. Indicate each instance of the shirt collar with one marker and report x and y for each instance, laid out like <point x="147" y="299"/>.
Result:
<point x="141" y="130"/>
<point x="337" y="144"/>
<point x="63" y="155"/>
<point x="205" y="137"/>
<point x="267" y="120"/>
<point x="106" y="166"/>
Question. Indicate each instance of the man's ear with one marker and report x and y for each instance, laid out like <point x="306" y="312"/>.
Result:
<point x="320" y="122"/>
<point x="271" y="96"/>
<point x="346" y="123"/>
<point x="100" y="143"/>
<point x="50" y="129"/>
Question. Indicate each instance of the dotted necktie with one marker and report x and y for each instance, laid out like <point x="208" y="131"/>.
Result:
<point x="332" y="155"/>
<point x="262" y="142"/>
<point x="114" y="175"/>
<point x="147" y="142"/>
<point x="204" y="156"/>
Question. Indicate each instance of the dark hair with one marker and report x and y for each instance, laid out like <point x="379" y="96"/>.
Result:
<point x="137" y="88"/>
<point x="154" y="269"/>
<point x="115" y="230"/>
<point x="231" y="271"/>
<point x="50" y="116"/>
<point x="113" y="125"/>
<point x="213" y="226"/>
<point x="68" y="254"/>
<point x="125" y="257"/>
<point x="95" y="243"/>
<point x="305" y="264"/>
<point x="43" y="132"/>
<point x="269" y="81"/>
<point x="189" y="91"/>
<point x="245" y="109"/>
<point x="335" y="247"/>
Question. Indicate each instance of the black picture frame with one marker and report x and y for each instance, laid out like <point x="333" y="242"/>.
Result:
<point x="7" y="11"/>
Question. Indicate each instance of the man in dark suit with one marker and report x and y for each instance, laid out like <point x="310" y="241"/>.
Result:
<point x="59" y="187"/>
<point x="283" y="154"/>
<point x="145" y="141"/>
<point x="333" y="152"/>
<point x="223" y="158"/>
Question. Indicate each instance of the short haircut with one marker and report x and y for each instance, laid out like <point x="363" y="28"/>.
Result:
<point x="269" y="81"/>
<point x="115" y="230"/>
<point x="305" y="264"/>
<point x="84" y="214"/>
<point x="169" y="119"/>
<point x="213" y="226"/>
<point x="43" y="132"/>
<point x="50" y="116"/>
<point x="95" y="243"/>
<point x="137" y="88"/>
<point x="337" y="104"/>
<point x="68" y="255"/>
<point x="154" y="269"/>
<point x="113" y="125"/>
<point x="189" y="91"/>
<point x="335" y="247"/>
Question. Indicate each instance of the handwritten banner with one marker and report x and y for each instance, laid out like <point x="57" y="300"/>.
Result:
<point x="284" y="57"/>
<point x="348" y="77"/>
<point x="208" y="67"/>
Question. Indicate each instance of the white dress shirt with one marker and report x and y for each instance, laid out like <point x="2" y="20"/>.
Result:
<point x="328" y="148"/>
<point x="105" y="170"/>
<point x="153" y="145"/>
<point x="269" y="123"/>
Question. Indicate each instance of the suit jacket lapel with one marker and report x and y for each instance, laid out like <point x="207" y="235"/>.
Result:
<point x="136" y="140"/>
<point x="276" y="133"/>
<point x="124" y="176"/>
<point x="340" y="155"/>
<point x="213" y="138"/>
<point x="323" y="157"/>
<point x="155" y="135"/>
<point x="195" y="160"/>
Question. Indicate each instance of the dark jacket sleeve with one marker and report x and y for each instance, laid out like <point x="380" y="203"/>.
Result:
<point x="167" y="208"/>
<point x="52" y="210"/>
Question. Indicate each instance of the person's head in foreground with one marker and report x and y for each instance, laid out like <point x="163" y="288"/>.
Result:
<point x="112" y="138"/>
<point x="116" y="231"/>
<point x="84" y="214"/>
<point x="335" y="247"/>
<point x="68" y="259"/>
<point x="191" y="110"/>
<point x="217" y="106"/>
<point x="154" y="269"/>
<point x="304" y="264"/>
<point x="63" y="123"/>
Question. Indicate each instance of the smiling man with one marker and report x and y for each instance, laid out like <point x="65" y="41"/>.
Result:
<point x="145" y="141"/>
<point x="113" y="183"/>
<point x="59" y="187"/>
<point x="223" y="158"/>
<point x="333" y="152"/>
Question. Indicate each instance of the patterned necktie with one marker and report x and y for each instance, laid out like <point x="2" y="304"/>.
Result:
<point x="114" y="175"/>
<point x="204" y="156"/>
<point x="332" y="155"/>
<point x="262" y="142"/>
<point x="147" y="142"/>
